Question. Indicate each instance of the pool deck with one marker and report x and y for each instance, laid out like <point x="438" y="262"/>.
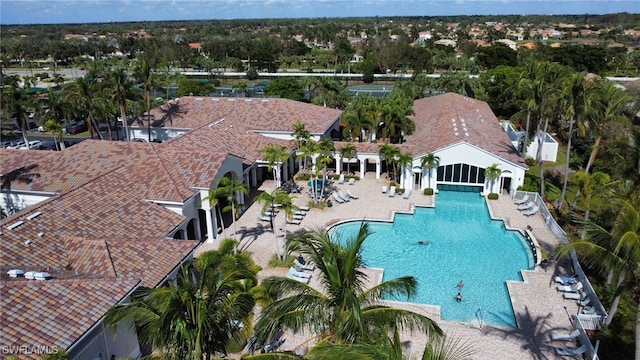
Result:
<point x="538" y="307"/>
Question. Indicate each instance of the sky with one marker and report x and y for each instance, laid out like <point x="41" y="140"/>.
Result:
<point x="91" y="11"/>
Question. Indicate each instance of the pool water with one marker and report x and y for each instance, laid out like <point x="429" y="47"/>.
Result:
<point x="464" y="244"/>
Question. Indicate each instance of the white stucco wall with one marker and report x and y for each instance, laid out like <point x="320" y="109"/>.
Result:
<point x="157" y="133"/>
<point x="14" y="201"/>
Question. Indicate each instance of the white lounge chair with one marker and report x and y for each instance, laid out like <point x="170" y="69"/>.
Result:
<point x="352" y="181"/>
<point x="589" y="310"/>
<point x="565" y="280"/>
<point x="523" y="200"/>
<point x="575" y="296"/>
<point x="384" y="189"/>
<point x="570" y="288"/>
<point x="294" y="221"/>
<point x="533" y="211"/>
<point x="351" y="194"/>
<point x="301" y="267"/>
<point x="527" y="206"/>
<point x="572" y="351"/>
<point x="564" y="336"/>
<point x="341" y="179"/>
<point x="344" y="196"/>
<point x="300" y="274"/>
<point x="298" y="212"/>
<point x="585" y="302"/>
<point x="303" y="208"/>
<point x="304" y="280"/>
<point x="263" y="218"/>
<point x="337" y="198"/>
<point x="392" y="191"/>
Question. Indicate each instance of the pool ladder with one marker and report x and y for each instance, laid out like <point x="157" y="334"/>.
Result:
<point x="479" y="316"/>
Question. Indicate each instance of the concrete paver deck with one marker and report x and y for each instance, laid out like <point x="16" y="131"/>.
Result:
<point x="538" y="307"/>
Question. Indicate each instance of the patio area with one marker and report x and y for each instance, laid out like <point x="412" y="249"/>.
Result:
<point x="539" y="308"/>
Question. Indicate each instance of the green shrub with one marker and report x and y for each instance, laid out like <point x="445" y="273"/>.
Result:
<point x="392" y="183"/>
<point x="334" y="176"/>
<point x="275" y="262"/>
<point x="428" y="191"/>
<point x="530" y="161"/>
<point x="400" y="191"/>
<point x="492" y="196"/>
<point x="303" y="177"/>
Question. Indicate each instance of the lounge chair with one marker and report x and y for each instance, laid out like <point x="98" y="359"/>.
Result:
<point x="303" y="208"/>
<point x="344" y="196"/>
<point x="352" y="181"/>
<point x="337" y="198"/>
<point x="590" y="310"/>
<point x="263" y="218"/>
<point x="406" y="194"/>
<point x="351" y="194"/>
<point x="294" y="221"/>
<point x="572" y="351"/>
<point x="392" y="191"/>
<point x="527" y="206"/>
<point x="301" y="267"/>
<point x="298" y="212"/>
<point x="565" y="280"/>
<point x="585" y="302"/>
<point x="533" y="211"/>
<point x="304" y="280"/>
<point x="523" y="200"/>
<point x="300" y="274"/>
<point x="564" y="336"/>
<point x="384" y="189"/>
<point x="575" y="296"/>
<point x="341" y="179"/>
<point x="570" y="288"/>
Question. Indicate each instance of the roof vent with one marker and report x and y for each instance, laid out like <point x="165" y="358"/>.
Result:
<point x="247" y="100"/>
<point x="215" y="99"/>
<point x="30" y="275"/>
<point x="15" y="225"/>
<point x="265" y="100"/>
<point x="466" y="134"/>
<point x="232" y="100"/>
<point x="42" y="276"/>
<point x="28" y="242"/>
<point x="455" y="133"/>
<point x="199" y="99"/>
<point x="15" y="273"/>
<point x="34" y="215"/>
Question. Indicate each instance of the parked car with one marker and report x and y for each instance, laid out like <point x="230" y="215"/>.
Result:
<point x="16" y="144"/>
<point x="33" y="145"/>
<point x="76" y="128"/>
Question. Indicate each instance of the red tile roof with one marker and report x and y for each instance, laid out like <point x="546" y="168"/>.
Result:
<point x="448" y="119"/>
<point x="55" y="313"/>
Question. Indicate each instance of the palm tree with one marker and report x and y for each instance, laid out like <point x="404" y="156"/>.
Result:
<point x="343" y="312"/>
<point x="84" y="94"/>
<point x="197" y="318"/>
<point x="275" y="155"/>
<point x="615" y="252"/>
<point x="55" y="128"/>
<point x="492" y="173"/>
<point x="269" y="200"/>
<point x="430" y="161"/>
<point x="355" y="120"/>
<point x="405" y="161"/>
<point x="301" y="134"/>
<point x="144" y="73"/>
<point x="348" y="152"/>
<point x="591" y="185"/>
<point x="214" y="198"/>
<point x="573" y="99"/>
<point x="285" y="204"/>
<point x="123" y="90"/>
<point x="325" y="149"/>
<point x="230" y="188"/>
<point x="388" y="153"/>
<point x="18" y="101"/>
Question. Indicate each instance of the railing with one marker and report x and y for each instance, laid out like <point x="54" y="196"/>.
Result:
<point x="591" y="321"/>
<point x="584" y="339"/>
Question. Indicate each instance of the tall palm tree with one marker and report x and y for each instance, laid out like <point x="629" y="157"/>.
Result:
<point x="301" y="134"/>
<point x="348" y="151"/>
<point x="269" y="201"/>
<point x="355" y="120"/>
<point x="197" y="318"/>
<point x="492" y="173"/>
<point x="430" y="161"/>
<point x="214" y="197"/>
<point x="388" y="153"/>
<point x="591" y="185"/>
<point x="17" y="100"/>
<point x="144" y="73"/>
<point x="230" y="188"/>
<point x="122" y="91"/>
<point x="84" y="94"/>
<point x="614" y="251"/>
<point x="343" y="311"/>
<point x="325" y="149"/>
<point x="573" y="98"/>
<point x="275" y="155"/>
<point x="405" y="160"/>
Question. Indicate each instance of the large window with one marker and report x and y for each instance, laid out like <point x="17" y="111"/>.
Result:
<point x="461" y="173"/>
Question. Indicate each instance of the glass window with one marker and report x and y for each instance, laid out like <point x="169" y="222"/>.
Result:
<point x="473" y="175"/>
<point x="448" y="172"/>
<point x="440" y="173"/>
<point x="481" y="176"/>
<point x="456" y="172"/>
<point x="465" y="173"/>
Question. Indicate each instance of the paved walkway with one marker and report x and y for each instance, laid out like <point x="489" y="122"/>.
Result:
<point x="538" y="307"/>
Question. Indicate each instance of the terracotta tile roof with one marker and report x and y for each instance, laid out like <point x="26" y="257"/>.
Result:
<point x="55" y="312"/>
<point x="277" y="115"/>
<point x="448" y="119"/>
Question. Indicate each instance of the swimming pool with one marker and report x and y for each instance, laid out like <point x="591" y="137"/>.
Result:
<point x="464" y="244"/>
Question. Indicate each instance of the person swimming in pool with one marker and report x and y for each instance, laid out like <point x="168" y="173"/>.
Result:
<point x="423" y="242"/>
<point x="459" y="297"/>
<point x="460" y="284"/>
